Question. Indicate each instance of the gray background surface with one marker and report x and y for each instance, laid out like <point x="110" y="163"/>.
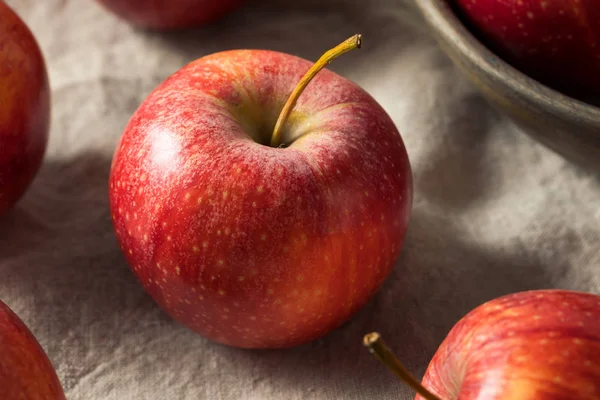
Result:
<point x="494" y="212"/>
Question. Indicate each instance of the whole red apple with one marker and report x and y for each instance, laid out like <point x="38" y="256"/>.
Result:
<point x="251" y="244"/>
<point x="24" y="107"/>
<point x="554" y="41"/>
<point x="170" y="14"/>
<point x="542" y="345"/>
<point x="25" y="371"/>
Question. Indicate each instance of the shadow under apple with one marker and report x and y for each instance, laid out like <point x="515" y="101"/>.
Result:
<point x="62" y="270"/>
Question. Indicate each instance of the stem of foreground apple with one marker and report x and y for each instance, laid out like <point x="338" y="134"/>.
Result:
<point x="381" y="352"/>
<point x="349" y="44"/>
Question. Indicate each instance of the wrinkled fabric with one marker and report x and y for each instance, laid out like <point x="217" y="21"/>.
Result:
<point x="494" y="212"/>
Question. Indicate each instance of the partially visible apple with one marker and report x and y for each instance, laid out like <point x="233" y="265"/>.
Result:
<point x="534" y="345"/>
<point x="24" y="107"/>
<point x="170" y="14"/>
<point x="26" y="373"/>
<point x="542" y="345"/>
<point x="250" y="238"/>
<point x="555" y="42"/>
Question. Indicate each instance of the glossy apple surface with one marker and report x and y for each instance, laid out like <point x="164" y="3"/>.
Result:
<point x="25" y="371"/>
<point x="542" y="345"/>
<point x="555" y="42"/>
<point x="24" y="107"/>
<point x="250" y="245"/>
<point x="171" y="14"/>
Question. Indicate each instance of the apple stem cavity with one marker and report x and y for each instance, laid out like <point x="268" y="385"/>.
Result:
<point x="381" y="352"/>
<point x="349" y="44"/>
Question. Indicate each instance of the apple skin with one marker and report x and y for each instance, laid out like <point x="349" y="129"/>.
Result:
<point x="542" y="345"/>
<point x="555" y="42"/>
<point x="26" y="373"/>
<point x="249" y="245"/>
<point x="171" y="14"/>
<point x="24" y="110"/>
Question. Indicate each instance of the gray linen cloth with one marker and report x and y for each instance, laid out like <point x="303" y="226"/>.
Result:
<point x="494" y="211"/>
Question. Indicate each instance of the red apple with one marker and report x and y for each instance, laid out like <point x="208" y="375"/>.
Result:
<point x="542" y="345"/>
<point x="170" y="14"/>
<point x="555" y="42"/>
<point x="250" y="244"/>
<point x="25" y="371"/>
<point x="24" y="107"/>
<point x="534" y="345"/>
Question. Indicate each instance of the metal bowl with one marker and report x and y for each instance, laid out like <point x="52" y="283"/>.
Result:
<point x="568" y="126"/>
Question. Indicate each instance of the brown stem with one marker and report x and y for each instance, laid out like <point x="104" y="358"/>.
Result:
<point x="380" y="351"/>
<point x="344" y="47"/>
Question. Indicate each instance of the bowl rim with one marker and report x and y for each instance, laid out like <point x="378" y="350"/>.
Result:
<point x="440" y="17"/>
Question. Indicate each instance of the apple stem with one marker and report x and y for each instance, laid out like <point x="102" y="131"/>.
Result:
<point x="381" y="352"/>
<point x="344" y="47"/>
